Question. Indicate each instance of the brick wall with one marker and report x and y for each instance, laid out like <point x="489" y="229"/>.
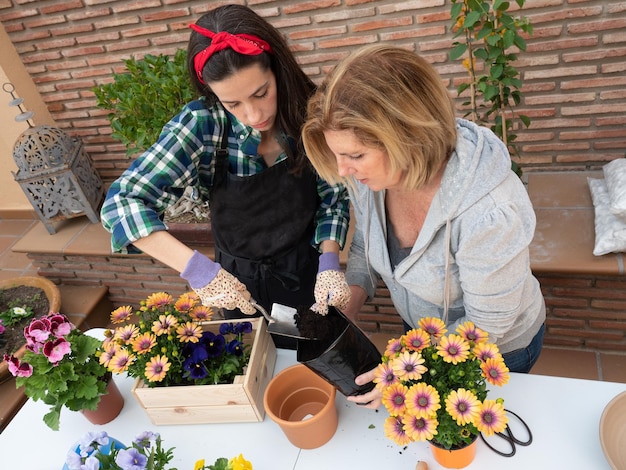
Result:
<point x="574" y="70"/>
<point x="584" y="312"/>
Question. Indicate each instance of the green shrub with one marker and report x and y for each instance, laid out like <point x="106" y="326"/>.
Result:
<point x="145" y="98"/>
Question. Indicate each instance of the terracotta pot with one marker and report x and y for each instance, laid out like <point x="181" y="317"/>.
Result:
<point x="303" y="405"/>
<point x="110" y="406"/>
<point x="454" y="458"/>
<point x="54" y="299"/>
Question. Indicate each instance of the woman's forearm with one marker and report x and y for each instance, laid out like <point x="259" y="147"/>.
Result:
<point x="165" y="248"/>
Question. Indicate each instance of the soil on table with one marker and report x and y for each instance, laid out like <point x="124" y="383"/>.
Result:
<point x="34" y="297"/>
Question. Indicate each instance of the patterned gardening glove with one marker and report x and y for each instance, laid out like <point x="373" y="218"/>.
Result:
<point x="331" y="287"/>
<point x="215" y="286"/>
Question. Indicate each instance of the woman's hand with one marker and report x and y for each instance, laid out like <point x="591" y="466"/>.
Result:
<point x="215" y="286"/>
<point x="371" y="399"/>
<point x="331" y="287"/>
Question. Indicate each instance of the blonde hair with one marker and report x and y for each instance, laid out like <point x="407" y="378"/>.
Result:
<point x="393" y="100"/>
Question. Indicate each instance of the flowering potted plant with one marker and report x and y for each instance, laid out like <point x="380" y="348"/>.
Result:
<point x="236" y="463"/>
<point x="435" y="386"/>
<point x="61" y="368"/>
<point x="22" y="298"/>
<point x="169" y="344"/>
<point x="100" y="451"/>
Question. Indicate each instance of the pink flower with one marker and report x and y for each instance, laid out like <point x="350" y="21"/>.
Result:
<point x="38" y="331"/>
<point x="18" y="369"/>
<point x="55" y="350"/>
<point x="59" y="324"/>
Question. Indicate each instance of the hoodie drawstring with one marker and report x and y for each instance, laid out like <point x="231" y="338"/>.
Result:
<point x="446" y="282"/>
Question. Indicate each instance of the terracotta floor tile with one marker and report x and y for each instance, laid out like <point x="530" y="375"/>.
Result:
<point x="93" y="238"/>
<point x="567" y="363"/>
<point x="613" y="367"/>
<point x="15" y="227"/>
<point x="11" y="260"/>
<point x="5" y="243"/>
<point x="38" y="240"/>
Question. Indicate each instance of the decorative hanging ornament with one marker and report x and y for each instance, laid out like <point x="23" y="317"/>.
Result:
<point x="24" y="116"/>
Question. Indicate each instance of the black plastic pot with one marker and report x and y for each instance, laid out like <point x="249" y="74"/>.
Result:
<point x="340" y="359"/>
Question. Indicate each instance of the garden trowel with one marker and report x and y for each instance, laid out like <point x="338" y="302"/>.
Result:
<point x="282" y="322"/>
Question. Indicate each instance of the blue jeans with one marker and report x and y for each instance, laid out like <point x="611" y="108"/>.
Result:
<point x="522" y="360"/>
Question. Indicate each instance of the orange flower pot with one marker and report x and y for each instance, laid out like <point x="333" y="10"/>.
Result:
<point x="303" y="405"/>
<point x="454" y="458"/>
<point x="109" y="407"/>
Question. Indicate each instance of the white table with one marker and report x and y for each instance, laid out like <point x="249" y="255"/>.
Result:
<point x="562" y="413"/>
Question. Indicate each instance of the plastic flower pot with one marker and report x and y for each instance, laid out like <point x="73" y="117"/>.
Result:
<point x="105" y="449"/>
<point x="303" y="405"/>
<point x="454" y="458"/>
<point x="339" y="359"/>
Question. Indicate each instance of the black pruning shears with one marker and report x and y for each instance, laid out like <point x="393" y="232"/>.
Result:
<point x="508" y="436"/>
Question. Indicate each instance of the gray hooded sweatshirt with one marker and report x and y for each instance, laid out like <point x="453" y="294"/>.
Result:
<point x="470" y="261"/>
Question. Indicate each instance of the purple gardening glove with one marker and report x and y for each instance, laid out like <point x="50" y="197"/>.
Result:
<point x="331" y="287"/>
<point x="215" y="286"/>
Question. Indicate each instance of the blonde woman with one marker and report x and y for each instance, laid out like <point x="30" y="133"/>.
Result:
<point x="440" y="216"/>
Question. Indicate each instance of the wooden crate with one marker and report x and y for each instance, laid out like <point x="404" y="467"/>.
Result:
<point x="241" y="401"/>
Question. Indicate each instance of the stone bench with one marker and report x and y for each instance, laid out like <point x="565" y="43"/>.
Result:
<point x="565" y="233"/>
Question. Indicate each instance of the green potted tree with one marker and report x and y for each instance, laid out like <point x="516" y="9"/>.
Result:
<point x="142" y="100"/>
<point x="487" y="36"/>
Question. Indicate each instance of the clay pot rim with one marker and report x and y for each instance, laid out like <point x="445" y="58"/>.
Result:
<point x="329" y="390"/>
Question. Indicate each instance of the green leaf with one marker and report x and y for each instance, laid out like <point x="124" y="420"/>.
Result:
<point x="507" y="39"/>
<point x="455" y="10"/>
<point x="524" y="119"/>
<point x="52" y="418"/>
<point x="496" y="71"/>
<point x="462" y="87"/>
<point x="470" y="19"/>
<point x="519" y="42"/>
<point x="457" y="51"/>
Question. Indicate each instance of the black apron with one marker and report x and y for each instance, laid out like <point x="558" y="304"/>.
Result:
<point x="263" y="226"/>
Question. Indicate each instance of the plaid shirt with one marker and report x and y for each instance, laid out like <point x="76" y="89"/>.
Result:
<point x="183" y="156"/>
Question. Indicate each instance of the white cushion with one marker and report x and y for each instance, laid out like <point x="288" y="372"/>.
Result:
<point x="615" y="177"/>
<point x="610" y="230"/>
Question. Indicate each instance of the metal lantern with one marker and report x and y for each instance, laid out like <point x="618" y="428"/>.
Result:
<point x="57" y="175"/>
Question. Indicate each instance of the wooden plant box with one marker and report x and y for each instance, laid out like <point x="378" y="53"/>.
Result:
<point x="241" y="401"/>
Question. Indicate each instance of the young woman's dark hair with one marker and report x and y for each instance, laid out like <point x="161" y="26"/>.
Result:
<point x="294" y="86"/>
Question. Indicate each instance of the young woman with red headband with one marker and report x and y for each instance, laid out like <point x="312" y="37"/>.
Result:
<point x="239" y="145"/>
